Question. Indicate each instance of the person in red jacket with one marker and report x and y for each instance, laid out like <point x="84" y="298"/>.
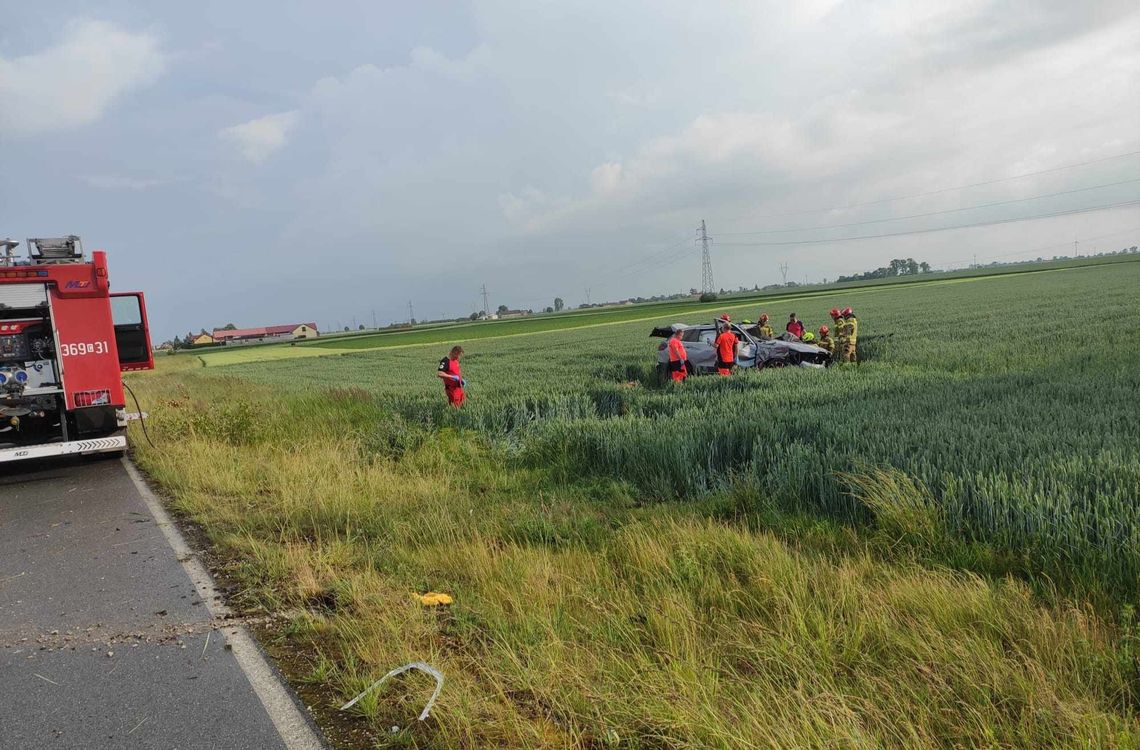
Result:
<point x="452" y="378"/>
<point x="678" y="358"/>
<point x="727" y="347"/>
<point x="794" y="327"/>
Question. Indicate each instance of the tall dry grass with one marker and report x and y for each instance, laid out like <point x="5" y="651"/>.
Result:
<point x="584" y="619"/>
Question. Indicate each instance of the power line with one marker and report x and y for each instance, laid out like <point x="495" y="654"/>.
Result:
<point x="939" y="191"/>
<point x="937" y="213"/>
<point x="1045" y="247"/>
<point x="684" y="241"/>
<point x="1010" y="220"/>
<point x="665" y="257"/>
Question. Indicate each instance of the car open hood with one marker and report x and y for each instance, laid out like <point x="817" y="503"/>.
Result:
<point x="664" y="332"/>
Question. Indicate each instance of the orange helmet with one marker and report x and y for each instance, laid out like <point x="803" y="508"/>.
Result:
<point x="847" y="311"/>
<point x="824" y="330"/>
<point x="835" y="312"/>
<point x="725" y="318"/>
<point x="763" y="317"/>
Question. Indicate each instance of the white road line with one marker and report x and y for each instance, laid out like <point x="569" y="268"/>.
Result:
<point x="295" y="730"/>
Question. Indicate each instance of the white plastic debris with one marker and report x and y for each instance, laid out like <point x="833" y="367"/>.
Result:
<point x="421" y="666"/>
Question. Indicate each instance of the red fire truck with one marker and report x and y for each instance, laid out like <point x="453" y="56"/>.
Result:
<point x="65" y="339"/>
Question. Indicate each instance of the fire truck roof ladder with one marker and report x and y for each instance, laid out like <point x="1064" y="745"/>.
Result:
<point x="45" y="250"/>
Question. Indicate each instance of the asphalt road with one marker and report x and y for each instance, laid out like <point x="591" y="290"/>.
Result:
<point x="109" y="637"/>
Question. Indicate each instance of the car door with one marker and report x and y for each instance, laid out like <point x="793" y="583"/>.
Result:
<point x="698" y="342"/>
<point x="132" y="332"/>
<point x="746" y="357"/>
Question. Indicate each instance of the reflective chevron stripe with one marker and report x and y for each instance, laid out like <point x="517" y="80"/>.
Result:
<point x="96" y="445"/>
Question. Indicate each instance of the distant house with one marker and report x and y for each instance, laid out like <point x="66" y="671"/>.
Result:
<point x="202" y="339"/>
<point x="266" y="333"/>
<point x="305" y="331"/>
<point x="514" y="314"/>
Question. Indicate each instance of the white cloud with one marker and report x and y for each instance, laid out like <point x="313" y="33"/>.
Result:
<point x="260" y="138"/>
<point x="120" y="182"/>
<point x="74" y="82"/>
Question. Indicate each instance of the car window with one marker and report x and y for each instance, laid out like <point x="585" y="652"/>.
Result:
<point x="691" y="334"/>
<point x="708" y="336"/>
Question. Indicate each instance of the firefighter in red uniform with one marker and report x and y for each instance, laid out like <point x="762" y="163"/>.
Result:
<point x="678" y="357"/>
<point x="452" y="378"/>
<point x="727" y="347"/>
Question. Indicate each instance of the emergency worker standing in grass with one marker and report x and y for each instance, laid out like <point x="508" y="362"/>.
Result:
<point x="824" y="341"/>
<point x="764" y="330"/>
<point x="727" y="347"/>
<point x="836" y="322"/>
<point x="850" y="335"/>
<point x="794" y="326"/>
<point x="453" y="382"/>
<point x="840" y="338"/>
<point x="678" y="357"/>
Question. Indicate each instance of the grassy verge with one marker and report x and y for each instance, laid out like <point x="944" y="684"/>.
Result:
<point x="585" y="617"/>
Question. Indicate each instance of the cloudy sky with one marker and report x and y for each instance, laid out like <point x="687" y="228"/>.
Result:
<point x="262" y="162"/>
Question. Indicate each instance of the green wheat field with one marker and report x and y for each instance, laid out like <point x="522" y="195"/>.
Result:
<point x="939" y="547"/>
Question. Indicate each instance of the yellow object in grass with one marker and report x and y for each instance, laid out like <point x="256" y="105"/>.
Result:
<point x="433" y="599"/>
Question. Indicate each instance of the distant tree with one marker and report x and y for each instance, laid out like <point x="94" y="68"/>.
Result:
<point x="474" y="316"/>
<point x="558" y="304"/>
<point x="549" y="310"/>
<point x="708" y="297"/>
<point x="503" y="309"/>
<point x="346" y="328"/>
<point x="229" y="327"/>
<point x="361" y="327"/>
<point x="924" y="267"/>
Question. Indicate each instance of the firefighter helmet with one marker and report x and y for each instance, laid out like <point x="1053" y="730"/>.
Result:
<point x="725" y="318"/>
<point x="808" y="337"/>
<point x="763" y="317"/>
<point x="847" y="312"/>
<point x="835" y="312"/>
<point x="824" y="330"/>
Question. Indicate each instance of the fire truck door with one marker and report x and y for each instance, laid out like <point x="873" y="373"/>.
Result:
<point x="132" y="336"/>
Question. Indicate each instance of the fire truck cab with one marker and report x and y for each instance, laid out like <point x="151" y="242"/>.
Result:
<point x="65" y="339"/>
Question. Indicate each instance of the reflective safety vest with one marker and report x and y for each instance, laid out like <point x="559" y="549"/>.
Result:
<point x="825" y="342"/>
<point x="677" y="355"/>
<point x="840" y="328"/>
<point x="726" y="349"/>
<point x="851" y="325"/>
<point x="766" y="332"/>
